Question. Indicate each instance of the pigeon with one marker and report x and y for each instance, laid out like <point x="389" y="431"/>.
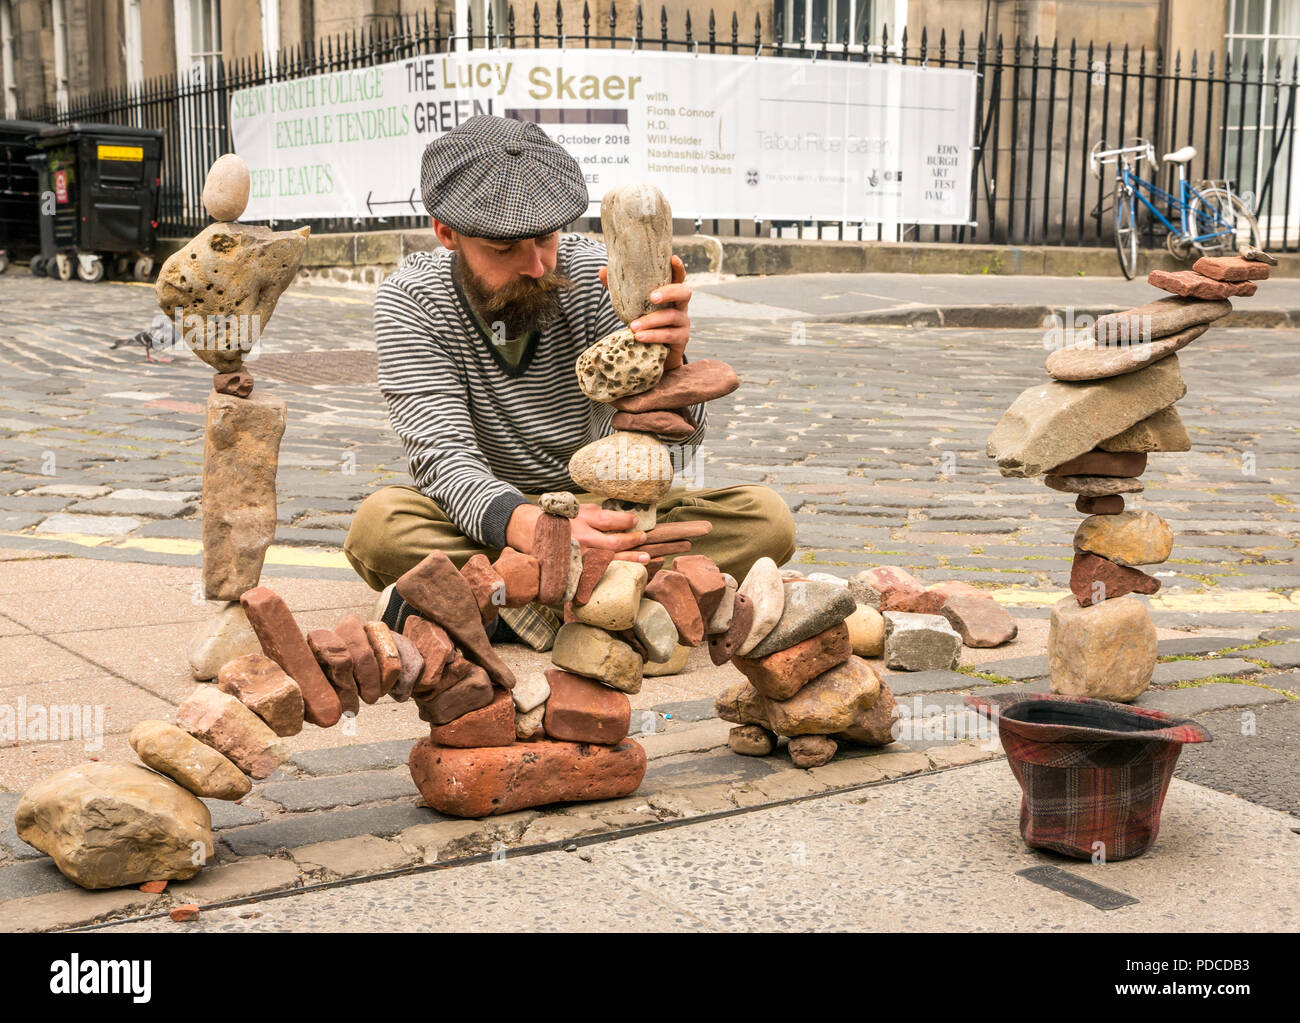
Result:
<point x="158" y="336"/>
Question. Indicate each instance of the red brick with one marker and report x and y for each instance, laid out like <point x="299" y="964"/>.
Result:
<point x="262" y="686"/>
<point x="673" y="591"/>
<point x="594" y="562"/>
<point x="927" y="602"/>
<point x="667" y="549"/>
<point x="1195" y="285"/>
<point x="520" y="574"/>
<point x="435" y="647"/>
<point x="895" y="586"/>
<point x="439" y="593"/>
<point x="551" y="548"/>
<point x="284" y="643"/>
<point x="706" y="581"/>
<point x="955" y="586"/>
<point x="238" y="383"/>
<point x="332" y="655"/>
<point x="1231" y="268"/>
<point x="387" y="656"/>
<point x="353" y="633"/>
<point x="484" y="581"/>
<point x="492" y="780"/>
<point x="580" y="710"/>
<point x="493" y="725"/>
<point x="780" y="675"/>
<point x="471" y="693"/>
<point x="981" y="620"/>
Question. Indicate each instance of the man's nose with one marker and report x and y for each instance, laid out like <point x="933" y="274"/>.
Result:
<point x="530" y="260"/>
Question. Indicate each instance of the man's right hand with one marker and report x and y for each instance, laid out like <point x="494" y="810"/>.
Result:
<point x="594" y="527"/>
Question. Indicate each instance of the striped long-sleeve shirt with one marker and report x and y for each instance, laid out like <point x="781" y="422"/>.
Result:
<point x="478" y="432"/>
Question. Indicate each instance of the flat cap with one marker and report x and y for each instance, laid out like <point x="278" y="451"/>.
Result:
<point x="494" y="177"/>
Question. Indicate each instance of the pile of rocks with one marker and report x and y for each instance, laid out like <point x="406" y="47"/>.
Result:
<point x="792" y="643"/>
<point x="1088" y="433"/>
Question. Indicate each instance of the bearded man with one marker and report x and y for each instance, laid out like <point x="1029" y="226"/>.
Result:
<point x="477" y="345"/>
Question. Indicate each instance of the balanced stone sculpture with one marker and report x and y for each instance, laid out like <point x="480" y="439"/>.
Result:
<point x="1088" y="433"/>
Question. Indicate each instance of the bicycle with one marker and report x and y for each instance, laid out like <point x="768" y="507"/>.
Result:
<point x="1211" y="219"/>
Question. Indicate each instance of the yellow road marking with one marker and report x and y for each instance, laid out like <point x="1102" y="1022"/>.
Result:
<point x="307" y="557"/>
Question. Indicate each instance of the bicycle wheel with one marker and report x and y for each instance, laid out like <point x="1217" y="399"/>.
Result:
<point x="1225" y="218"/>
<point x="1126" y="235"/>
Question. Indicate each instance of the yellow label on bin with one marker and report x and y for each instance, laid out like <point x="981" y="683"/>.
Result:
<point x="132" y="153"/>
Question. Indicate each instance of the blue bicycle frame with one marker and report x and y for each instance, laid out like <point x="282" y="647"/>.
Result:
<point x="1204" y="219"/>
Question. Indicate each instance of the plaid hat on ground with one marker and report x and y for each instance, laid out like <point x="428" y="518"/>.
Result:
<point x="494" y="177"/>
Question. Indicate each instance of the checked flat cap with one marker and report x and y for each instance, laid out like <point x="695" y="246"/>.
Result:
<point x="494" y="177"/>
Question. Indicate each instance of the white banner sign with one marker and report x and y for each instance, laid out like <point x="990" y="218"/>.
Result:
<point x="721" y="136"/>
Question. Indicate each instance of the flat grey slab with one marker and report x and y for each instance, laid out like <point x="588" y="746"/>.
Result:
<point x="33" y="877"/>
<point x="1211" y="696"/>
<point x="949" y="844"/>
<point x="1189" y="671"/>
<point x="1019" y="669"/>
<point x="291" y="832"/>
<point x="1287" y="655"/>
<point x="1196" y="645"/>
<point x="226" y="814"/>
<point x="366" y="756"/>
<point x="1252" y="756"/>
<point x="343" y="790"/>
<point x="1290" y="681"/>
<point x="686" y="710"/>
<point x="903" y="682"/>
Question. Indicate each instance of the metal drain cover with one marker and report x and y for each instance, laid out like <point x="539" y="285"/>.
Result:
<point x="314" y="368"/>
<point x="1097" y="895"/>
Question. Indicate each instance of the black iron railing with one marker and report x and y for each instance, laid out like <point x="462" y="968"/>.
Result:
<point x="1040" y="110"/>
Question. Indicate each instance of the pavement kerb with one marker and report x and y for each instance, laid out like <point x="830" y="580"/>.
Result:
<point x="560" y="845"/>
<point x="1012" y="317"/>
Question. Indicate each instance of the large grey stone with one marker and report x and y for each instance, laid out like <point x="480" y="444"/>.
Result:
<point x="809" y="608"/>
<point x="920" y="642"/>
<point x="1053" y="422"/>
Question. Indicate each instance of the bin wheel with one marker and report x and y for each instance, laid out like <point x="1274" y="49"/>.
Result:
<point x="143" y="268"/>
<point x="63" y="267"/>
<point x="90" y="269"/>
<point x="37" y="267"/>
<point x="4" y="262"/>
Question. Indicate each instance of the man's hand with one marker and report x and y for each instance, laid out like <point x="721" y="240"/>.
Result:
<point x="671" y="326"/>
<point x="594" y="527"/>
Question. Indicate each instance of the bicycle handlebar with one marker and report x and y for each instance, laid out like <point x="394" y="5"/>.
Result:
<point x="1141" y="149"/>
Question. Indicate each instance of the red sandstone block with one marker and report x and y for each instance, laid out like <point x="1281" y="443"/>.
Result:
<point x="493" y="725"/>
<point x="780" y="675"/>
<point x="581" y="710"/>
<point x="487" y="781"/>
<point x="673" y="591"/>
<point x="284" y="643"/>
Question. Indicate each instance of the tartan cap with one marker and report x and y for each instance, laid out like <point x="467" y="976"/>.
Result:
<point x="495" y="177"/>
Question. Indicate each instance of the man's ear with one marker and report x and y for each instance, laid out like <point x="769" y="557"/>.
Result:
<point x="446" y="236"/>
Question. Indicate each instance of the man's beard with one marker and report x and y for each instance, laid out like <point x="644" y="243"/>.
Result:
<point x="524" y="304"/>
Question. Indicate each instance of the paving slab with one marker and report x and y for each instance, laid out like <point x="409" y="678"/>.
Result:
<point x="350" y="789"/>
<point x="1211" y="696"/>
<point x="1189" y="671"/>
<point x="1286" y="655"/>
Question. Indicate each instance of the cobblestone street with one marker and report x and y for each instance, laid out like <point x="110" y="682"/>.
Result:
<point x="874" y="435"/>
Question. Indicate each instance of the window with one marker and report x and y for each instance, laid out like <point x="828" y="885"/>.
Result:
<point x="811" y="17"/>
<point x="1258" y="31"/>
<point x="8" y="61"/>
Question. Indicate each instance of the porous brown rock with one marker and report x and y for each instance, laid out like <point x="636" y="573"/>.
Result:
<point x="229" y="270"/>
<point x="262" y="686"/>
<point x="493" y="725"/>
<point x="493" y="780"/>
<point x="644" y="515"/>
<point x="439" y="593"/>
<point x="618" y="364"/>
<point x="239" y="383"/>
<point x="875" y="725"/>
<point x="692" y="383"/>
<point x="559" y="502"/>
<point x="107" y="825"/>
<point x="196" y="765"/>
<point x="827" y="704"/>
<point x="781" y="674"/>
<point x="580" y="710"/>
<point x="335" y="661"/>
<point x="636" y="223"/>
<point x="284" y="643"/>
<point x="240" y="455"/>
<point x="473" y="692"/>
<point x="1094" y="579"/>
<point x="626" y="466"/>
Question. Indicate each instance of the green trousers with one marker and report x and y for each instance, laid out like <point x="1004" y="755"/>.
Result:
<point x="396" y="527"/>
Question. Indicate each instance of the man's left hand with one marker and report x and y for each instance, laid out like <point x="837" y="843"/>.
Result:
<point x="670" y="326"/>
